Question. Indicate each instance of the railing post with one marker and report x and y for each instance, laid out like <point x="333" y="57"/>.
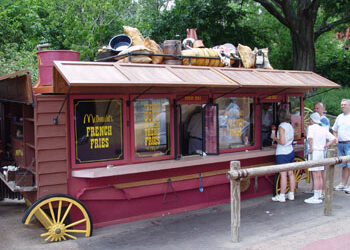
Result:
<point x="235" y="203"/>
<point x="329" y="185"/>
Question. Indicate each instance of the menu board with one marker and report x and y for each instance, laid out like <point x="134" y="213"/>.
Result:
<point x="151" y="121"/>
<point x="98" y="130"/>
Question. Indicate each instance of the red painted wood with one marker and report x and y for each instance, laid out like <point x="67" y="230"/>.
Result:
<point x="47" y="118"/>
<point x="51" y="155"/>
<point x="52" y="179"/>
<point x="50" y="130"/>
<point x="52" y="167"/>
<point x="53" y="189"/>
<point x="51" y="145"/>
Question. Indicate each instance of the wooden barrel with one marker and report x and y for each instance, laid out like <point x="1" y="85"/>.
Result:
<point x="172" y="47"/>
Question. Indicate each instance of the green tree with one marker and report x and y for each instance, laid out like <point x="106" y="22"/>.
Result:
<point x="300" y="17"/>
<point x="267" y="32"/>
<point x="216" y="22"/>
<point x="84" y="25"/>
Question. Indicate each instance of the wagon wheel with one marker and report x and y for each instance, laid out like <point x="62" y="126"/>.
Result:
<point x="307" y="113"/>
<point x="300" y="174"/>
<point x="62" y="215"/>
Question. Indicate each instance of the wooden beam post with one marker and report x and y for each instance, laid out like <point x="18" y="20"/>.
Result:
<point x="329" y="185"/>
<point x="235" y="203"/>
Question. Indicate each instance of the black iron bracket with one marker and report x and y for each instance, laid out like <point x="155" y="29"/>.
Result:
<point x="142" y="93"/>
<point x="55" y="119"/>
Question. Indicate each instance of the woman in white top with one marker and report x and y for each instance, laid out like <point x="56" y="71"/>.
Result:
<point x="317" y="137"/>
<point x="284" y="154"/>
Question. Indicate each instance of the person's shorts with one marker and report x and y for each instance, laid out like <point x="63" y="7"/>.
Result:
<point x="316" y="155"/>
<point x="283" y="159"/>
<point x="343" y="150"/>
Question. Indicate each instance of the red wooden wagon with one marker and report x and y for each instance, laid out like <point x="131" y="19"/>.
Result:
<point x="111" y="143"/>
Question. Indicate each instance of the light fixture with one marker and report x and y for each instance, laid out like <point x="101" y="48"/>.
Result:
<point x="259" y="59"/>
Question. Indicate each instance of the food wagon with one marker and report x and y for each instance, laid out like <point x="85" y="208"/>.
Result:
<point x="110" y="143"/>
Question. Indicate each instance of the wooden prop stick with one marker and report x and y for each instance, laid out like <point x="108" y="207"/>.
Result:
<point x="329" y="185"/>
<point x="235" y="203"/>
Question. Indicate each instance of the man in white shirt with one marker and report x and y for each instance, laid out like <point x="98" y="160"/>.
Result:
<point x="317" y="137"/>
<point x="341" y="130"/>
<point x="320" y="108"/>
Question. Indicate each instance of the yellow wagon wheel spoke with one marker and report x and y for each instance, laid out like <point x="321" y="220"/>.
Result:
<point x="76" y="231"/>
<point x="67" y="211"/>
<point x="59" y="210"/>
<point x="70" y="236"/>
<point x="76" y="223"/>
<point x="52" y="213"/>
<point x="49" y="211"/>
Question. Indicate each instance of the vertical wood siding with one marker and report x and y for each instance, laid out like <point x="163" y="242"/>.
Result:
<point x="51" y="145"/>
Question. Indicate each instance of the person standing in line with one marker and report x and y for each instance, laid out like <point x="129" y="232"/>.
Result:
<point x="341" y="130"/>
<point x="320" y="108"/>
<point x="284" y="154"/>
<point x="317" y="137"/>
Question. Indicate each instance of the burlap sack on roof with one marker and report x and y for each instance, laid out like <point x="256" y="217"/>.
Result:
<point x="135" y="34"/>
<point x="155" y="48"/>
<point x="247" y="56"/>
<point x="135" y="58"/>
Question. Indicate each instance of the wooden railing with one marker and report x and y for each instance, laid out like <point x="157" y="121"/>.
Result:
<point x="236" y="173"/>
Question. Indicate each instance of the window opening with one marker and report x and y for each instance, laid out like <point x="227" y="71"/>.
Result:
<point x="152" y="127"/>
<point x="236" y="122"/>
<point x="268" y="110"/>
<point x="191" y="129"/>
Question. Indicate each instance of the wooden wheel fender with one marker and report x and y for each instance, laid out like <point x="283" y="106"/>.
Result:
<point x="53" y="211"/>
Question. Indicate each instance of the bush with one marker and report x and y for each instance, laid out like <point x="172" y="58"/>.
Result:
<point x="13" y="59"/>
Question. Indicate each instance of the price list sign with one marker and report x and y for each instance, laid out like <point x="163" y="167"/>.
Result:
<point x="151" y="118"/>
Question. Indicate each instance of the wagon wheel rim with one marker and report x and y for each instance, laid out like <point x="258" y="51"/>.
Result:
<point x="300" y="174"/>
<point x="55" y="219"/>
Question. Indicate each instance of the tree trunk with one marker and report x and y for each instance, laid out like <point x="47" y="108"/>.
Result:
<point x="303" y="45"/>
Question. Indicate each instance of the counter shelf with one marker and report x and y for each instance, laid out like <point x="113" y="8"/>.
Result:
<point x="187" y="161"/>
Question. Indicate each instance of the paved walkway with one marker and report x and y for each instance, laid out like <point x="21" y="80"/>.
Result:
<point x="264" y="225"/>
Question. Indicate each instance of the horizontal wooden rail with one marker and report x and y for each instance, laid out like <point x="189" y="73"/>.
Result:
<point x="242" y="173"/>
<point x="236" y="174"/>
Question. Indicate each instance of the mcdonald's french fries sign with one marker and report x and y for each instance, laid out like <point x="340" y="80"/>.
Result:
<point x="98" y="130"/>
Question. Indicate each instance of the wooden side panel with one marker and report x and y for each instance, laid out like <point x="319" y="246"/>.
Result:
<point x="52" y="179"/>
<point x="51" y="145"/>
<point x="52" y="189"/>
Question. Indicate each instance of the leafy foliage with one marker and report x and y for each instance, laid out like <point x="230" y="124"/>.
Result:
<point x="216" y="22"/>
<point x="330" y="97"/>
<point x="86" y="25"/>
<point x="333" y="62"/>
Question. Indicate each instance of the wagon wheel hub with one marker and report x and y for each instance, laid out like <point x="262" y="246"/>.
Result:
<point x="57" y="230"/>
